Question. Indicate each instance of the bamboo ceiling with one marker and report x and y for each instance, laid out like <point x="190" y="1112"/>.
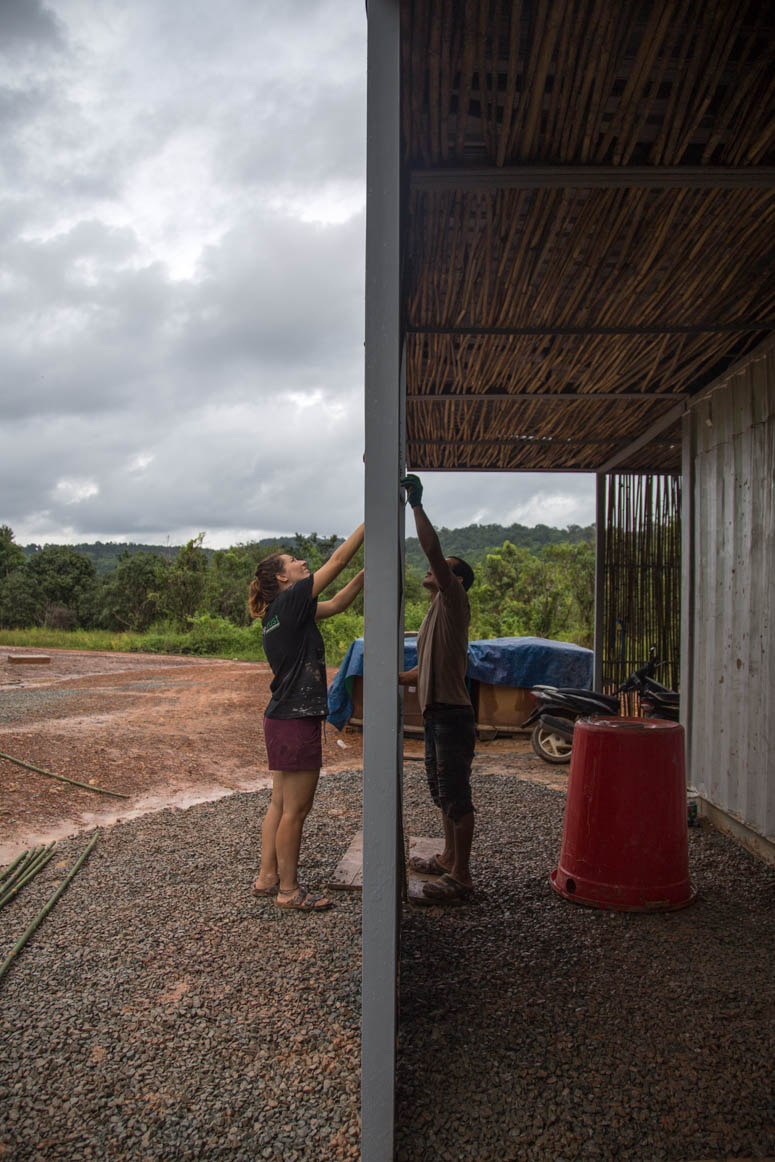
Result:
<point x="589" y="224"/>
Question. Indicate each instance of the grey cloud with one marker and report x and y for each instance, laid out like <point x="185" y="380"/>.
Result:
<point x="279" y="290"/>
<point x="230" y="400"/>
<point x="28" y="21"/>
<point x="312" y="135"/>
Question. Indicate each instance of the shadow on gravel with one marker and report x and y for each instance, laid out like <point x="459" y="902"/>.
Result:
<point x="160" y="1013"/>
<point x="532" y="1028"/>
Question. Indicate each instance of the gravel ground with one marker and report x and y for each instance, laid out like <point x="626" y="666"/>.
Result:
<point x="160" y="1012"/>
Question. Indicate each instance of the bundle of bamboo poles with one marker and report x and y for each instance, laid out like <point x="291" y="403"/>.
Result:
<point x="33" y="861"/>
<point x="642" y="576"/>
<point x="24" y="868"/>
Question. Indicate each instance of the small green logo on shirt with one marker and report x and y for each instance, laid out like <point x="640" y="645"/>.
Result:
<point x="270" y="625"/>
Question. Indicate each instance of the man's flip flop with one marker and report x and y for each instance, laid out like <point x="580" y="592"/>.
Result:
<point x="257" y="891"/>
<point x="446" y="890"/>
<point x="427" y="867"/>
<point x="302" y="901"/>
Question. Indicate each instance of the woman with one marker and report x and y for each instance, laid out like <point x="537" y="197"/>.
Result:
<point x="284" y="594"/>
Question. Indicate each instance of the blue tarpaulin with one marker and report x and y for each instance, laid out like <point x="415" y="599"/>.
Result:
<point x="501" y="661"/>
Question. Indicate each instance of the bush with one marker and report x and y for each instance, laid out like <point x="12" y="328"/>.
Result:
<point x="209" y="637"/>
<point x="59" y="617"/>
<point x="338" y="634"/>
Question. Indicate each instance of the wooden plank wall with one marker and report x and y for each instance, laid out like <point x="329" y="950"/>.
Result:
<point x="732" y="720"/>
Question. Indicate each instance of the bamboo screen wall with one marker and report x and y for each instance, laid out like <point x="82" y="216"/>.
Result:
<point x="642" y="595"/>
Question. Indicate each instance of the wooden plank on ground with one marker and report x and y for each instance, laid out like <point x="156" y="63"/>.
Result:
<point x="348" y="874"/>
<point x="29" y="659"/>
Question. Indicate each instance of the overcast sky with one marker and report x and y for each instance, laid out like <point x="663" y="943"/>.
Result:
<point x="181" y="278"/>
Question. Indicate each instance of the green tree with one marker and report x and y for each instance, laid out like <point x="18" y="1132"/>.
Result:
<point x="62" y="579"/>
<point x="11" y="555"/>
<point x="228" y="581"/>
<point x="510" y="597"/>
<point x="20" y="603"/>
<point x="550" y="595"/>
<point x="572" y="567"/>
<point x="312" y="549"/>
<point x="186" y="583"/>
<point x="133" y="595"/>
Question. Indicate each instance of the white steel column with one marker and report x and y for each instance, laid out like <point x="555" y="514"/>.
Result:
<point x="599" y="626"/>
<point x="383" y="644"/>
<point x="688" y="583"/>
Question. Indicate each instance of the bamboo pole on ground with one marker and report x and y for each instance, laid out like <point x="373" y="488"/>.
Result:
<point x="12" y="866"/>
<point x="30" y="871"/>
<point x="44" y="911"/>
<point x="63" y="778"/>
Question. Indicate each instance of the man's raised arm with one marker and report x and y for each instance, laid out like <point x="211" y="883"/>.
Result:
<point x="426" y="533"/>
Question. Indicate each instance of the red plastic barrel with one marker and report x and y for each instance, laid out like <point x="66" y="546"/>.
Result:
<point x="625" y="842"/>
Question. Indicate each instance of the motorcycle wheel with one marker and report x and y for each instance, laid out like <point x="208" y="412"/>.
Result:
<point x="550" y="746"/>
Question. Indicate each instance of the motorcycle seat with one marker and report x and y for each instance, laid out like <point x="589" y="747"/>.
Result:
<point x="588" y="694"/>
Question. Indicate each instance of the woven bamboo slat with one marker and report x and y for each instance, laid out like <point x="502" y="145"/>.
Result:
<point x="504" y="82"/>
<point x="569" y="83"/>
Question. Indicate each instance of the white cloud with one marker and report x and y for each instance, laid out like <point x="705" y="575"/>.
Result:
<point x="140" y="462"/>
<point x="74" y="491"/>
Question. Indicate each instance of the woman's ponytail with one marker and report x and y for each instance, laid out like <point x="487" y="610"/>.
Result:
<point x="264" y="587"/>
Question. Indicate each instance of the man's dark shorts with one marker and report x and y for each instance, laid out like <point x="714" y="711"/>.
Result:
<point x="450" y="739"/>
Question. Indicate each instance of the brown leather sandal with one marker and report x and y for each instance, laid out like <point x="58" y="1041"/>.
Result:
<point x="302" y="901"/>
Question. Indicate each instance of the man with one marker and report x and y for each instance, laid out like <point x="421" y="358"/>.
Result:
<point x="448" y="716"/>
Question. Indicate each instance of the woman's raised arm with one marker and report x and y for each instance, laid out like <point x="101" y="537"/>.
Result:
<point x="337" y="561"/>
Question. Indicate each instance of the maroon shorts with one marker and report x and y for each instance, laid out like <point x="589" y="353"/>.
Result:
<point x="293" y="744"/>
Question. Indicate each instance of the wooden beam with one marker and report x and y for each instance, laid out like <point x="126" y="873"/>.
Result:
<point x="548" y="397"/>
<point x="497" y="441"/>
<point x="594" y="177"/>
<point x="647" y="437"/>
<point x="744" y="326"/>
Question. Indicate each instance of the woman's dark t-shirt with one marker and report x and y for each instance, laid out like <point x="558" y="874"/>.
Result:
<point x="295" y="651"/>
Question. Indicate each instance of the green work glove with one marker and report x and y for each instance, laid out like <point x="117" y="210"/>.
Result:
<point x="413" y="488"/>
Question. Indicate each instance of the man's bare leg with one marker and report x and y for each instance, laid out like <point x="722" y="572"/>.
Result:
<point x="446" y="858"/>
<point x="463" y="834"/>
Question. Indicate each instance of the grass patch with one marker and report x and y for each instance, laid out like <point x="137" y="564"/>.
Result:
<point x="72" y="639"/>
<point x="209" y="637"/>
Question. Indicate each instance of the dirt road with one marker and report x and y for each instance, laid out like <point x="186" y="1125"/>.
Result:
<point x="166" y="731"/>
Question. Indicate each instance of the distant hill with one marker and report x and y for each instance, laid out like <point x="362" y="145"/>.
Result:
<point x="105" y="554"/>
<point x="472" y="542"/>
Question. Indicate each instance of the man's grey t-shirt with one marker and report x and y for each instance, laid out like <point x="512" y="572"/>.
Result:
<point x="442" y="649"/>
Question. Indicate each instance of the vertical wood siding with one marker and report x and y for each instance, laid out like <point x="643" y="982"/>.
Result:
<point x="732" y="743"/>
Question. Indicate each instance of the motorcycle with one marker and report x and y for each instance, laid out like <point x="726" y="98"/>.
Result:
<point x="559" y="707"/>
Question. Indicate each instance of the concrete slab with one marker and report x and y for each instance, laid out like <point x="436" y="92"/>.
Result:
<point x="348" y="873"/>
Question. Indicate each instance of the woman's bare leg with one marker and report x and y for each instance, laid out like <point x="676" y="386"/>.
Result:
<point x="268" y="875"/>
<point x="298" y="793"/>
